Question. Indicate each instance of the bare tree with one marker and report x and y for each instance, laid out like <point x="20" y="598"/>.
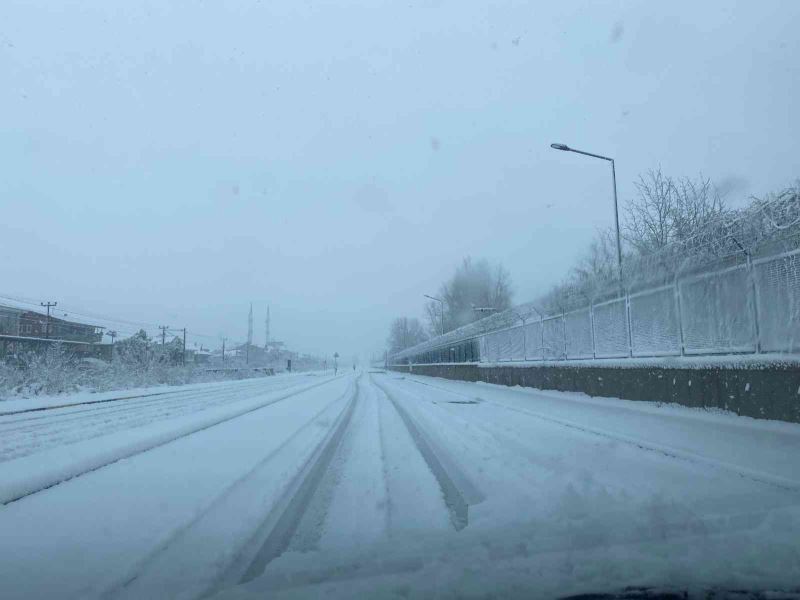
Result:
<point x="434" y="317"/>
<point x="404" y="333"/>
<point x="698" y="206"/>
<point x="474" y="284"/>
<point x="667" y="210"/>
<point x="667" y="221"/>
<point x="648" y="217"/>
<point x="597" y="269"/>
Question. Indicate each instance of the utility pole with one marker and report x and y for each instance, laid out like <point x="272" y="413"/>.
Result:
<point x="223" y="352"/>
<point x="163" y="329"/>
<point x="184" y="347"/>
<point x="112" y="334"/>
<point x="48" y="305"/>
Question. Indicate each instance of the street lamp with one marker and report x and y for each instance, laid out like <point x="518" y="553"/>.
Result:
<point x="441" y="302"/>
<point x="565" y="148"/>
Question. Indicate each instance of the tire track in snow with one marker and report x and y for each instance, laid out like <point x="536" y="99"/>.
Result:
<point x="277" y="531"/>
<point x="384" y="464"/>
<point x="173" y="538"/>
<point x="367" y="411"/>
<point x="18" y="440"/>
<point x="38" y="409"/>
<point x="71" y="428"/>
<point x="349" y="505"/>
<point x="24" y="487"/>
<point x="30" y="423"/>
<point x="774" y="481"/>
<point x="455" y="499"/>
<point x="292" y="513"/>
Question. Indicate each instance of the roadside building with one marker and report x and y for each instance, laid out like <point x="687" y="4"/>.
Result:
<point x="25" y="330"/>
<point x="34" y="324"/>
<point x="10" y="320"/>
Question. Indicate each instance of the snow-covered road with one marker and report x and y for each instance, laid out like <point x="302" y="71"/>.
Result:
<point x="385" y="484"/>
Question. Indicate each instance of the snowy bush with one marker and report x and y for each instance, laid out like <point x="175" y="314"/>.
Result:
<point x="58" y="371"/>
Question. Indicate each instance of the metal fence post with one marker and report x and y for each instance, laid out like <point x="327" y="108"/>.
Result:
<point x="752" y="276"/>
<point x="630" y="328"/>
<point x="541" y="334"/>
<point x="679" y="306"/>
<point x="524" y="342"/>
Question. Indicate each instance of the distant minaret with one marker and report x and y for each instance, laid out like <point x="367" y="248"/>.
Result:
<point x="266" y="329"/>
<point x="250" y="326"/>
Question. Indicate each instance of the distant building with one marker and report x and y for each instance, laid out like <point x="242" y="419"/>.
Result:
<point x="9" y="320"/>
<point x="202" y="357"/>
<point x="34" y="324"/>
<point x="30" y="324"/>
<point x="275" y="346"/>
<point x="198" y="356"/>
<point x="24" y="330"/>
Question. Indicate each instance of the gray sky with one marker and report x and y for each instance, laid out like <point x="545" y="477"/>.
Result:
<point x="170" y="161"/>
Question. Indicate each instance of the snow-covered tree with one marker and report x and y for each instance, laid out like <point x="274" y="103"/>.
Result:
<point x="405" y="332"/>
<point x="476" y="283"/>
<point x="135" y="349"/>
<point x="674" y="225"/>
<point x="667" y="210"/>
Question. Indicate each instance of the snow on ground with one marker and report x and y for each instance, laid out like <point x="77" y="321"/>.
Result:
<point x="17" y="404"/>
<point x="400" y="485"/>
<point x="90" y="535"/>
<point x="30" y="430"/>
<point x="59" y="444"/>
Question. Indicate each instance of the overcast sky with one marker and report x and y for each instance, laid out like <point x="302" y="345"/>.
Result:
<point x="171" y="161"/>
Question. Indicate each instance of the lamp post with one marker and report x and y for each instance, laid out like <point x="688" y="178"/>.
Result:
<point x="565" y="148"/>
<point x="441" y="302"/>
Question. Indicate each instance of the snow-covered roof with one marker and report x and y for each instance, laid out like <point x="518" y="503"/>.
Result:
<point x="11" y="310"/>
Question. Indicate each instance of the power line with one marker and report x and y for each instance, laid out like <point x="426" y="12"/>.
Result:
<point x="89" y="315"/>
<point x="78" y="312"/>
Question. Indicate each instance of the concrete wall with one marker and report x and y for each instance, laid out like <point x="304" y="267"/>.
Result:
<point x="763" y="391"/>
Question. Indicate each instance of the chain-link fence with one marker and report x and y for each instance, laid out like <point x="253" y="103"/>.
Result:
<point x="751" y="307"/>
<point x="611" y="335"/>
<point x="777" y="296"/>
